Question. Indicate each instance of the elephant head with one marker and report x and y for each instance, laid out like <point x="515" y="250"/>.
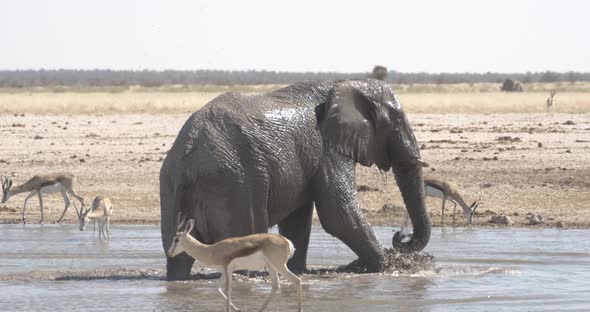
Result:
<point x="364" y="120"/>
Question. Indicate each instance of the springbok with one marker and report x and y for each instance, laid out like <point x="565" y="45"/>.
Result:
<point x="252" y="252"/>
<point x="64" y="183"/>
<point x="550" y="100"/>
<point x="100" y="211"/>
<point x="442" y="189"/>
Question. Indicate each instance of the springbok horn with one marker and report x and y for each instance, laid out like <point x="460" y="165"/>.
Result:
<point x="180" y="221"/>
<point x="474" y="205"/>
<point x="189" y="226"/>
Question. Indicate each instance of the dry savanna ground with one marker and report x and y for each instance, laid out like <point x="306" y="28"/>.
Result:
<point x="498" y="147"/>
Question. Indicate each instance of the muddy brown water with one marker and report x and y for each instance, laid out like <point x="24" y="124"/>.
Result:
<point x="59" y="268"/>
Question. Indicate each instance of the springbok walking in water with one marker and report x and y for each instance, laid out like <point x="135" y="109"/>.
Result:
<point x="442" y="189"/>
<point x="63" y="183"/>
<point x="252" y="252"/>
<point x="100" y="212"/>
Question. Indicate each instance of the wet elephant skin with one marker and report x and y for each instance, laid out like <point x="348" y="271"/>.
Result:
<point x="244" y="163"/>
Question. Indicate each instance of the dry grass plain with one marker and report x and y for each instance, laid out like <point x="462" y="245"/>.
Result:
<point x="115" y="142"/>
<point x="425" y="98"/>
<point x="176" y="102"/>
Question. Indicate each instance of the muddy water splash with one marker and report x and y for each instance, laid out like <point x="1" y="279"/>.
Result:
<point x="395" y="262"/>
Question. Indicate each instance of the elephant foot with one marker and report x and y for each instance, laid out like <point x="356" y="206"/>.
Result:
<point x="179" y="268"/>
<point x="177" y="275"/>
<point x="297" y="267"/>
<point x="373" y="266"/>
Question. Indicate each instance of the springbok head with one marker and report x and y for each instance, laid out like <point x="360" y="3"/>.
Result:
<point x="83" y="216"/>
<point x="177" y="245"/>
<point x="83" y="213"/>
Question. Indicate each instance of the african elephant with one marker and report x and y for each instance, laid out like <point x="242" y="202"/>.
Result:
<point x="244" y="163"/>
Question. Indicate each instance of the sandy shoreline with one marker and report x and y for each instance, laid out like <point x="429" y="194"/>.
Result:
<point x="517" y="164"/>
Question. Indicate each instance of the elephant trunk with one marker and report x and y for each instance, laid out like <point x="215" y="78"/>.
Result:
<point x="410" y="181"/>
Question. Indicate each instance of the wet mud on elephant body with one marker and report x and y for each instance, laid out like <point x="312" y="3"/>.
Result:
<point x="244" y="163"/>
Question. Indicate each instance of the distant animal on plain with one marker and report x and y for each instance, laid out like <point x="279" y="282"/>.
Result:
<point x="551" y="100"/>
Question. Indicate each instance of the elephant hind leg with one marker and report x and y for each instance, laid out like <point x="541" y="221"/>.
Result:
<point x="297" y="228"/>
<point x="236" y="209"/>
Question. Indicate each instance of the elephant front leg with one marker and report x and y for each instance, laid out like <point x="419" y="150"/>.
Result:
<point x="297" y="228"/>
<point x="340" y="214"/>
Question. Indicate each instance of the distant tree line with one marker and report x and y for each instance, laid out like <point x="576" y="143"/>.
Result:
<point x="152" y="78"/>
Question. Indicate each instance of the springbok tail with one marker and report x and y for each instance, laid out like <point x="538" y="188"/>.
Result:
<point x="291" y="248"/>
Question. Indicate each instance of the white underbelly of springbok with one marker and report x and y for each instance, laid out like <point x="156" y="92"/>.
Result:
<point x="255" y="261"/>
<point x="53" y="188"/>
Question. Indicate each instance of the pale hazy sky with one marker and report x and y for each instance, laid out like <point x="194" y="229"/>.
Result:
<point x="302" y="35"/>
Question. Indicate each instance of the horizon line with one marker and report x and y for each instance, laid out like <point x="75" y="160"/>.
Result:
<point x="284" y="71"/>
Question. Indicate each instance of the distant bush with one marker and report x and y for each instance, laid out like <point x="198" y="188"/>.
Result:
<point x="379" y="72"/>
<point x="511" y="85"/>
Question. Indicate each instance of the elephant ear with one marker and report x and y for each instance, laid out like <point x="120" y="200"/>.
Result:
<point x="347" y="122"/>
